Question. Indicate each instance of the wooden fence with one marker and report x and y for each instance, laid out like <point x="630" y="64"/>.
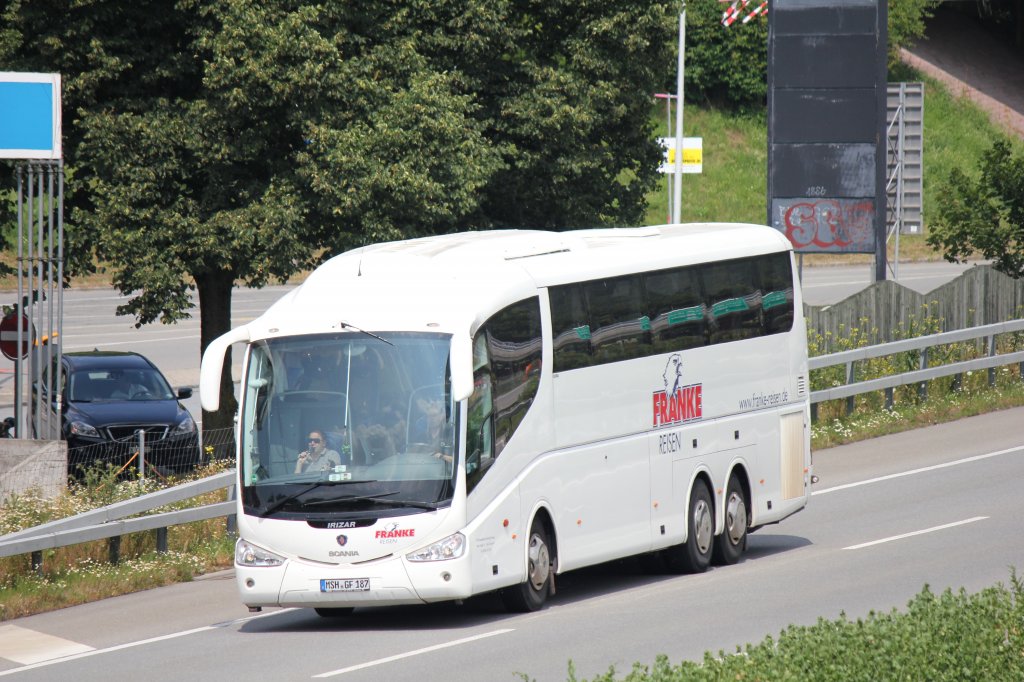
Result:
<point x="979" y="296"/>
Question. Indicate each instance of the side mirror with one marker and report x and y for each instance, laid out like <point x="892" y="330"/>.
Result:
<point x="184" y="393"/>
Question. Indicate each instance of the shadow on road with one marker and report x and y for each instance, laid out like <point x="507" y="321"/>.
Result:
<point x="604" y="580"/>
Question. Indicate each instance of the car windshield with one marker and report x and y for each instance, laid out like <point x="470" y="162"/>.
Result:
<point x="369" y="416"/>
<point x="136" y="384"/>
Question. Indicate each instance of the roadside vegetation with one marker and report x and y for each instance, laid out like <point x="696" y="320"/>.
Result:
<point x="948" y="637"/>
<point x="83" y="573"/>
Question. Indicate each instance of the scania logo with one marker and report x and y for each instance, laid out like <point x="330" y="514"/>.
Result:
<point x="342" y="540"/>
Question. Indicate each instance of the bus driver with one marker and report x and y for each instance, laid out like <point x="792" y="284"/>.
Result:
<point x="317" y="457"/>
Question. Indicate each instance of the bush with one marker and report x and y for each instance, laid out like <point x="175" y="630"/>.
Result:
<point x="954" y="636"/>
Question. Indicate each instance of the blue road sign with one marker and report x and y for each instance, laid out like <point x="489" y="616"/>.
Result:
<point x="30" y="123"/>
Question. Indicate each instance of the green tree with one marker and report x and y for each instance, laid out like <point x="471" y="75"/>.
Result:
<point x="213" y="143"/>
<point x="984" y="214"/>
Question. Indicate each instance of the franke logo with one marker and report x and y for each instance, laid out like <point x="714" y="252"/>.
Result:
<point x="392" y="531"/>
<point x="676" y="404"/>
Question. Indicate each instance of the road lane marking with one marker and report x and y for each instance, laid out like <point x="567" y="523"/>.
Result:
<point x="958" y="462"/>
<point x="25" y="646"/>
<point x="141" y="642"/>
<point x="417" y="652"/>
<point x="129" y="343"/>
<point x="917" y="532"/>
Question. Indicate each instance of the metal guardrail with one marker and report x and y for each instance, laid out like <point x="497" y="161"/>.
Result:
<point x="110" y="521"/>
<point x="924" y="373"/>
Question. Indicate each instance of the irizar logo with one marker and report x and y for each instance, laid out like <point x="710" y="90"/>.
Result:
<point x="676" y="404"/>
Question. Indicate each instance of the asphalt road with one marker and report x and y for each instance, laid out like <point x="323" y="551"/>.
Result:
<point x="936" y="506"/>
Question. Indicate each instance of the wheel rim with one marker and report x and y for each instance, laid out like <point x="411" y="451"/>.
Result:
<point x="540" y="562"/>
<point x="736" y="518"/>
<point x="702" y="526"/>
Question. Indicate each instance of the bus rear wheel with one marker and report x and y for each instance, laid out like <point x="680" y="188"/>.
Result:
<point x="733" y="541"/>
<point x="531" y="594"/>
<point x="694" y="555"/>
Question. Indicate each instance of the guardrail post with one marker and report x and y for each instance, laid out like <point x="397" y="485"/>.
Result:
<point x="142" y="453"/>
<point x="161" y="540"/>
<point x="991" y="353"/>
<point x="851" y="375"/>
<point x="922" y="387"/>
<point x="889" y="398"/>
<point x="114" y="549"/>
<point x="232" y="521"/>
<point x="37" y="562"/>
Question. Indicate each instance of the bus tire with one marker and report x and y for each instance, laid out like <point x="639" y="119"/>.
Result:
<point x="333" y="612"/>
<point x="729" y="547"/>
<point x="694" y="555"/>
<point x="531" y="594"/>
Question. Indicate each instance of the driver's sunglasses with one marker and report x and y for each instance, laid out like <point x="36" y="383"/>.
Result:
<point x="314" y="440"/>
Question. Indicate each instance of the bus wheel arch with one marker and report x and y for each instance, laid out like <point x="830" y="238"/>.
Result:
<point x="694" y="555"/>
<point x="732" y="542"/>
<point x="541" y="563"/>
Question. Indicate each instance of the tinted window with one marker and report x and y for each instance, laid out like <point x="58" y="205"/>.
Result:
<point x="570" y="328"/>
<point x="507" y="356"/>
<point x="733" y="300"/>
<point x="619" y="327"/>
<point x="777" y="302"/>
<point x="675" y="304"/>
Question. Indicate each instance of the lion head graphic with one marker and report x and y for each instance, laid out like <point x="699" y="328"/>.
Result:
<point x="673" y="373"/>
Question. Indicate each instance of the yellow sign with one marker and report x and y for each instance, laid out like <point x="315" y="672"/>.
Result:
<point x="693" y="154"/>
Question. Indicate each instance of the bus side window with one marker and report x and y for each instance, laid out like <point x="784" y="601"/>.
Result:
<point x="777" y="283"/>
<point x="733" y="300"/>
<point x="506" y="362"/>
<point x="570" y="328"/>
<point x="618" y="326"/>
<point x="480" y="418"/>
<point x="675" y="304"/>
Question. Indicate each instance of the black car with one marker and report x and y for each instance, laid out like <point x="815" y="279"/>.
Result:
<point x="108" y="397"/>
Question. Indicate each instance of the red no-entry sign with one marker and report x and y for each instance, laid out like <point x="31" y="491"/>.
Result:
<point x="9" y="336"/>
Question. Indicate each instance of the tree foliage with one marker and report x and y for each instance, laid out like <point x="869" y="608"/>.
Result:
<point x="212" y="143"/>
<point x="984" y="213"/>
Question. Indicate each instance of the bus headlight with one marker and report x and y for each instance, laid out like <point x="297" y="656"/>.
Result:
<point x="452" y="547"/>
<point x="248" y="554"/>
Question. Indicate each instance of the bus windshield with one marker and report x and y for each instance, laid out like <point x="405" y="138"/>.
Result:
<point x="348" y="422"/>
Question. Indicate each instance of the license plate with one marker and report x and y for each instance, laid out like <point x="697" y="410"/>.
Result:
<point x="347" y="585"/>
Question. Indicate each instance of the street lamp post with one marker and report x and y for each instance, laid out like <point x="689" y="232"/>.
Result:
<point x="677" y="201"/>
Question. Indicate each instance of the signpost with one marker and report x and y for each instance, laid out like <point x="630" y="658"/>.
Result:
<point x="9" y="334"/>
<point x="30" y="131"/>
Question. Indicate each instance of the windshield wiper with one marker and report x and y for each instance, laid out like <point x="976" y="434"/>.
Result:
<point x="410" y="503"/>
<point x="377" y="499"/>
<point x="363" y="331"/>
<point x="312" y="486"/>
<point x="350" y="498"/>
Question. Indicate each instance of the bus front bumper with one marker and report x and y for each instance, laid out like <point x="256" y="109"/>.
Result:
<point x="386" y="582"/>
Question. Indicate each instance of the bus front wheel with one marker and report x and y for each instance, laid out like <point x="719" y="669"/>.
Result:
<point x="694" y="555"/>
<point x="531" y="594"/>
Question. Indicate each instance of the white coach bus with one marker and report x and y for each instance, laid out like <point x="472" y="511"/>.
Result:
<point x="491" y="409"/>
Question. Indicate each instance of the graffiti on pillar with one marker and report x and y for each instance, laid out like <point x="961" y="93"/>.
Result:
<point x="826" y="225"/>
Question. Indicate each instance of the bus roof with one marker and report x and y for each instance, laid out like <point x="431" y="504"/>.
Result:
<point x="451" y="282"/>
